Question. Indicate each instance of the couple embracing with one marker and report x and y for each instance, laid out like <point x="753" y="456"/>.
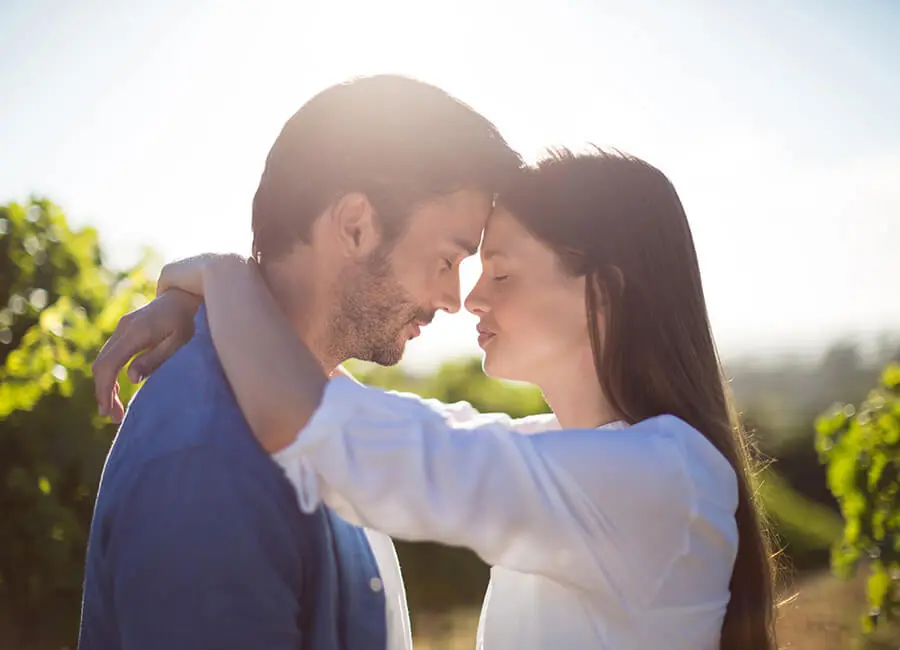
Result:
<point x="252" y="491"/>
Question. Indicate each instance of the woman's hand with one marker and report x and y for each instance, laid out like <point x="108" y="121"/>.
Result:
<point x="158" y="329"/>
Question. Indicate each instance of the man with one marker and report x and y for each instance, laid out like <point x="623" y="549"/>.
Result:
<point x="372" y="194"/>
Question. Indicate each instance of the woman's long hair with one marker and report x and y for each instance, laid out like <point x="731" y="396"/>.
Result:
<point x="618" y="221"/>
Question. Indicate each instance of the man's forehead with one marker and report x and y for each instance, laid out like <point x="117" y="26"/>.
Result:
<point x="457" y="219"/>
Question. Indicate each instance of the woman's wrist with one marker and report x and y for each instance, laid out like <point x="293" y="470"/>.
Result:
<point x="192" y="274"/>
<point x="226" y="268"/>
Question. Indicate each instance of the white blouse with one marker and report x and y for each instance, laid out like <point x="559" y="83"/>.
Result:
<point x="619" y="538"/>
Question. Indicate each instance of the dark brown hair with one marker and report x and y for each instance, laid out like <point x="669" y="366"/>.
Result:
<point x="398" y="140"/>
<point x="618" y="220"/>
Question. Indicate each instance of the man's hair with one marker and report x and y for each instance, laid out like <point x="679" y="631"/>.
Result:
<point x="398" y="140"/>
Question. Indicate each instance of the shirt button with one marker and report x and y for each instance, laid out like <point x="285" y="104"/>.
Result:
<point x="376" y="585"/>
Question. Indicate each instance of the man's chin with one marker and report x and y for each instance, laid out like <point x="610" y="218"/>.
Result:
<point x="388" y="363"/>
<point x="386" y="356"/>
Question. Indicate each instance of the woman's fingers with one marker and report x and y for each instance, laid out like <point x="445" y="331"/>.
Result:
<point x="133" y="334"/>
<point x="161" y="327"/>
<point x="127" y="339"/>
<point x="117" y="411"/>
<point x="145" y="364"/>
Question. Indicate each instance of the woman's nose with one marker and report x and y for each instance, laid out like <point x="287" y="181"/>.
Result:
<point x="476" y="301"/>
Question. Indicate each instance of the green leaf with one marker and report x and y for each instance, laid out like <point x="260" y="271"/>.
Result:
<point x="890" y="378"/>
<point x="878" y="585"/>
<point x="53" y="290"/>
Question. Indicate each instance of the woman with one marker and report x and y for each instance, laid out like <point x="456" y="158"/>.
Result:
<point x="632" y="524"/>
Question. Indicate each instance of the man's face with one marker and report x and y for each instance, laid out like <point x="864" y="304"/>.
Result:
<point x="396" y="290"/>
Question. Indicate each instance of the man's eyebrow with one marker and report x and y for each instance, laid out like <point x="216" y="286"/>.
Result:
<point x="466" y="245"/>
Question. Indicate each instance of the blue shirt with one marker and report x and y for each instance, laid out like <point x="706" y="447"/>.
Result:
<point x="197" y="541"/>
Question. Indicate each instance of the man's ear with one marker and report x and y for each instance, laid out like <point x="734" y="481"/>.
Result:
<point x="355" y="224"/>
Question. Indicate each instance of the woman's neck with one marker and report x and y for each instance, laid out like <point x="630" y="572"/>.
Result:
<point x="577" y="399"/>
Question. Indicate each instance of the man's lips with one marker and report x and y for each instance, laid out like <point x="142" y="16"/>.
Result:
<point x="421" y="321"/>
<point x="417" y="327"/>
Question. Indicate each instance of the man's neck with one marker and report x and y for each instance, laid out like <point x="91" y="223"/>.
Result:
<point x="304" y="308"/>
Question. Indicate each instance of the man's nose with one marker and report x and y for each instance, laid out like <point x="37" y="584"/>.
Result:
<point x="449" y="299"/>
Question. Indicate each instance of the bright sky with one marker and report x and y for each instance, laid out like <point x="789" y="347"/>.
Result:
<point x="778" y="125"/>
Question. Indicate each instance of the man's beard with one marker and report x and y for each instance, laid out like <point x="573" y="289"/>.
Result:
<point x="372" y="311"/>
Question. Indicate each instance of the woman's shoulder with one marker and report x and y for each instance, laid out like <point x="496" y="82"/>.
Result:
<point x="710" y="475"/>
<point x="662" y="455"/>
<point x="648" y="485"/>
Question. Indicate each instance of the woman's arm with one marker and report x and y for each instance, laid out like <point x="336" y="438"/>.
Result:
<point x="574" y="505"/>
<point x="154" y="333"/>
<point x="276" y="379"/>
<point x="571" y="504"/>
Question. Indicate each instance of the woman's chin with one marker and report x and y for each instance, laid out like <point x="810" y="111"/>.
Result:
<point x="487" y="365"/>
<point x="495" y="368"/>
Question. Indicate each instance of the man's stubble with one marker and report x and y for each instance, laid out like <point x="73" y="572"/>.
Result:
<point x="372" y="310"/>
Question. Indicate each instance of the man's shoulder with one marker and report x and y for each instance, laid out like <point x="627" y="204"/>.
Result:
<point x="187" y="402"/>
<point x="187" y="479"/>
<point x="191" y="381"/>
<point x="185" y="406"/>
<point x="201" y="507"/>
<point x="182" y="474"/>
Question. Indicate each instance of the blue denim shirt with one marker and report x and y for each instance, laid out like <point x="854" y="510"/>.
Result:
<point x="197" y="541"/>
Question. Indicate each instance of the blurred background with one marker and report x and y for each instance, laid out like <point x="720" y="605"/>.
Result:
<point x="135" y="133"/>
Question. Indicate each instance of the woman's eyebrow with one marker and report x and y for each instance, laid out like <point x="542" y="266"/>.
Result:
<point x="491" y="253"/>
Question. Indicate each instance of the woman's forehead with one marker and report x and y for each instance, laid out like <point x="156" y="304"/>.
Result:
<point x="507" y="238"/>
<point x="502" y="231"/>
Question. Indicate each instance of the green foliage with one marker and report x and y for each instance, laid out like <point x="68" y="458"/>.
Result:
<point x="861" y="448"/>
<point x="59" y="305"/>
<point x="805" y="529"/>
<point x="459" y="381"/>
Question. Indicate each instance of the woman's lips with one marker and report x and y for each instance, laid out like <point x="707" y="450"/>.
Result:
<point x="484" y="336"/>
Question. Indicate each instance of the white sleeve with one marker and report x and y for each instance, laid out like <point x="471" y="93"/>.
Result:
<point x="463" y="414"/>
<point x="560" y="503"/>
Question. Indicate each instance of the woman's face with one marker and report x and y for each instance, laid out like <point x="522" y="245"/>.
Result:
<point x="532" y="313"/>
